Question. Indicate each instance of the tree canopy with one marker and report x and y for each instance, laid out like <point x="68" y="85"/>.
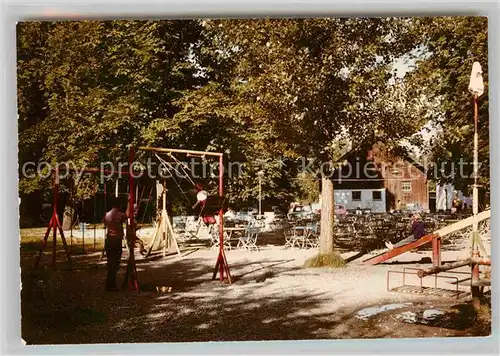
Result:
<point x="263" y="91"/>
<point x="453" y="45"/>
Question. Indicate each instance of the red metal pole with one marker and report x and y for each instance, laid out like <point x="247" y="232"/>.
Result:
<point x="221" y="265"/>
<point x="436" y="252"/>
<point x="55" y="189"/>
<point x="131" y="187"/>
<point x="134" y="284"/>
<point x="221" y="216"/>
<point x="44" y="241"/>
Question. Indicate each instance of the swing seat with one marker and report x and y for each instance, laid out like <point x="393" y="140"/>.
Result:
<point x="209" y="220"/>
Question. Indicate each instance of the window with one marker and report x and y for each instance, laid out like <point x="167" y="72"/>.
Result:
<point x="356" y="195"/>
<point x="406" y="186"/>
<point x="377" y="195"/>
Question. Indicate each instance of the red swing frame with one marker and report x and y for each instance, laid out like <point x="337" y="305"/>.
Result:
<point x="221" y="265"/>
<point x="55" y="225"/>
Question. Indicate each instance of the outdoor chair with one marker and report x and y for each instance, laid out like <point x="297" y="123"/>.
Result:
<point x="311" y="238"/>
<point x="249" y="240"/>
<point x="289" y="237"/>
<point x="298" y="236"/>
<point x="214" y="235"/>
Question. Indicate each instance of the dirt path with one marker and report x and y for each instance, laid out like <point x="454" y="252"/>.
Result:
<point x="272" y="298"/>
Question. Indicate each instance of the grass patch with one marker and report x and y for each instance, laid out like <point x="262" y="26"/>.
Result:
<point x="30" y="246"/>
<point x="75" y="249"/>
<point x="332" y="260"/>
<point x="31" y="241"/>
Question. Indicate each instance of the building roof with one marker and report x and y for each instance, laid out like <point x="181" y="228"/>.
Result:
<point x="365" y="148"/>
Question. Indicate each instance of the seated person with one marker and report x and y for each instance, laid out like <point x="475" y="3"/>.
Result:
<point x="229" y="214"/>
<point x="417" y="231"/>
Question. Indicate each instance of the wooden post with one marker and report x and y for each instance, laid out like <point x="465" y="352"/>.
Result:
<point x="448" y="266"/>
<point x="164" y="219"/>
<point x="475" y="289"/>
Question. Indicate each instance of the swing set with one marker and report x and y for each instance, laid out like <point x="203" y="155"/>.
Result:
<point x="55" y="225"/>
<point x="163" y="226"/>
<point x="209" y="206"/>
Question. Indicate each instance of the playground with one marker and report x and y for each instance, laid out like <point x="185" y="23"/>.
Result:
<point x="180" y="286"/>
<point x="272" y="297"/>
<point x="275" y="179"/>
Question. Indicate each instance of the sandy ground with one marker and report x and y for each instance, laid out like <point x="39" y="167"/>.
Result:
<point x="272" y="298"/>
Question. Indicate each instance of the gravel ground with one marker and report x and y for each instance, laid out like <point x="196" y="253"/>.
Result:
<point x="272" y="298"/>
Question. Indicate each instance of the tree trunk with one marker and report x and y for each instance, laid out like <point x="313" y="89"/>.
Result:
<point x="327" y="216"/>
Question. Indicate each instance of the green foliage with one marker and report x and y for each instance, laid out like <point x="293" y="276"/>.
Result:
<point x="265" y="92"/>
<point x="300" y="83"/>
<point x="453" y="44"/>
<point x="308" y="188"/>
<point x="88" y="89"/>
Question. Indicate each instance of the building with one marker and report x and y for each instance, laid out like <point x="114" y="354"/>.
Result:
<point x="370" y="178"/>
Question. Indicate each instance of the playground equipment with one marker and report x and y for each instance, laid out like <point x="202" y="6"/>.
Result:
<point x="54" y="225"/>
<point x="434" y="238"/>
<point x="131" y="271"/>
<point x="221" y="265"/>
<point x="445" y="271"/>
<point x="164" y="228"/>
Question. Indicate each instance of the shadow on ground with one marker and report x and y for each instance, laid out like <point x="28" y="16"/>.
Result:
<point x="70" y="306"/>
<point x="61" y="306"/>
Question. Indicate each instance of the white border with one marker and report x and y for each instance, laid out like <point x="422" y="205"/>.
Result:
<point x="16" y="11"/>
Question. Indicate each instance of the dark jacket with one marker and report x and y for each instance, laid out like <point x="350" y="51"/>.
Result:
<point x="418" y="229"/>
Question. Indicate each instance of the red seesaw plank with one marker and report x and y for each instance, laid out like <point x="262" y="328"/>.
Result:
<point x="400" y="250"/>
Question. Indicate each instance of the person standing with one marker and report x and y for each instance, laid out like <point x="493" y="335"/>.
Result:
<point x="113" y="221"/>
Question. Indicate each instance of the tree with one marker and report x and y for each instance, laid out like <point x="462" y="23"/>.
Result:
<point x="451" y="45"/>
<point x="288" y="88"/>
<point x="308" y="188"/>
<point x="265" y="92"/>
<point x="89" y="89"/>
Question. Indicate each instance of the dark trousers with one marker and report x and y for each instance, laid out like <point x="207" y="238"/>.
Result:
<point x="113" y="247"/>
